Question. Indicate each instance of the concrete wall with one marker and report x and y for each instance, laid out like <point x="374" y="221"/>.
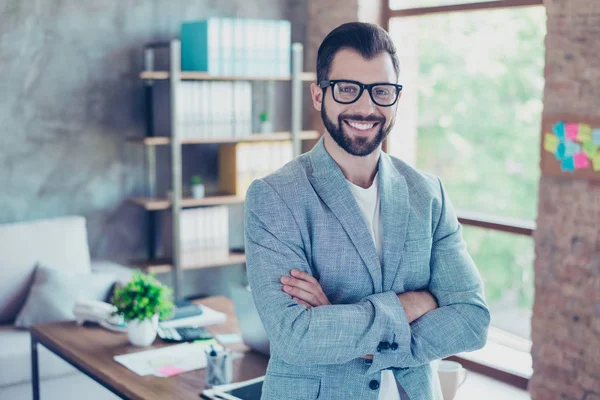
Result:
<point x="70" y="95"/>
<point x="566" y="314"/>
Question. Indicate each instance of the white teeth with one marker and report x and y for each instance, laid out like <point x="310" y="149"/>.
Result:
<point x="361" y="127"/>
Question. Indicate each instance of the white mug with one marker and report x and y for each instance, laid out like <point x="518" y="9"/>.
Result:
<point x="452" y="376"/>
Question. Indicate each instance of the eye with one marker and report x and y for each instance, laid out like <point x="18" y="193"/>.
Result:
<point x="347" y="89"/>
<point x="382" y="92"/>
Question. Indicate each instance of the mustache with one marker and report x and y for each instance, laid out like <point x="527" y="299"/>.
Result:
<point x="358" y="117"/>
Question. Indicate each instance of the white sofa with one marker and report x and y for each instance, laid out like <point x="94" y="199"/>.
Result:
<point x="55" y="243"/>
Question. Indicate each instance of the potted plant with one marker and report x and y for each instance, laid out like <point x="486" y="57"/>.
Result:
<point x="197" y="187"/>
<point x="265" y="124"/>
<point x="142" y="302"/>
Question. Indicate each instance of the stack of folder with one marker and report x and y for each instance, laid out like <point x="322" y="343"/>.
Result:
<point x="204" y="235"/>
<point x="236" y="47"/>
<point x="210" y="109"/>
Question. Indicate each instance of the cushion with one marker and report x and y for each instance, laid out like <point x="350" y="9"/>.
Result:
<point x="15" y="358"/>
<point x="54" y="292"/>
<point x="60" y="242"/>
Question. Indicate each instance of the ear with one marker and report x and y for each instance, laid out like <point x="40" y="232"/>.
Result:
<point x="317" y="96"/>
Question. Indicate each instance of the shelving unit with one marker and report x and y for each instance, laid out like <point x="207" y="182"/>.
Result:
<point x="152" y="203"/>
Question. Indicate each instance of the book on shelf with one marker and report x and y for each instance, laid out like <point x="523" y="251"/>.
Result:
<point x="204" y="235"/>
<point x="242" y="163"/>
<point x="212" y="109"/>
<point x="236" y="47"/>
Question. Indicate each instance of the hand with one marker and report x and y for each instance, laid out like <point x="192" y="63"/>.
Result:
<point x="305" y="289"/>
<point x="417" y="304"/>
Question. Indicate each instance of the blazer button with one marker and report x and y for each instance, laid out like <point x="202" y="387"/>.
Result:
<point x="368" y="361"/>
<point x="374" y="385"/>
<point x="385" y="345"/>
<point x="394" y="346"/>
<point x="379" y="348"/>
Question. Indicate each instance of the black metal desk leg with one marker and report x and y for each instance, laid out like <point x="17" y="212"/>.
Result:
<point x="35" y="372"/>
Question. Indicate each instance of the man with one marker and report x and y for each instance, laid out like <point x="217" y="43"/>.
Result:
<point x="356" y="260"/>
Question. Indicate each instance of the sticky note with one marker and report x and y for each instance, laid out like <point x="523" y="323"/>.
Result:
<point x="567" y="164"/>
<point x="560" y="151"/>
<point x="571" y="131"/>
<point x="596" y="136"/>
<point x="169" y="370"/>
<point x="206" y="342"/>
<point x="596" y="162"/>
<point x="550" y="142"/>
<point x="559" y="130"/>
<point x="589" y="148"/>
<point x="159" y="362"/>
<point x="585" y="132"/>
<point x="571" y="148"/>
<point x="581" y="160"/>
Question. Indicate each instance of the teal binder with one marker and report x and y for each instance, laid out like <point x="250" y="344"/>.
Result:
<point x="200" y="46"/>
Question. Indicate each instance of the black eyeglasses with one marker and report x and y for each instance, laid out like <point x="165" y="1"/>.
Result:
<point x="347" y="92"/>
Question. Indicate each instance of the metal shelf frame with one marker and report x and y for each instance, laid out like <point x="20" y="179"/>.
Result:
<point x="175" y="78"/>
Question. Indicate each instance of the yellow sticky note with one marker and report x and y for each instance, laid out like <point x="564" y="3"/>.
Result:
<point x="584" y="133"/>
<point x="596" y="162"/>
<point x="589" y="148"/>
<point x="550" y="142"/>
<point x="161" y="361"/>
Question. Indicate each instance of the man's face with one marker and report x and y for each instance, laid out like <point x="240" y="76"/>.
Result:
<point x="359" y="127"/>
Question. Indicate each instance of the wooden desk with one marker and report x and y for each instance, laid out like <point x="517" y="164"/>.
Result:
<point x="90" y="349"/>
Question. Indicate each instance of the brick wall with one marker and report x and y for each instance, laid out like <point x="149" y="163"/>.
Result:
<point x="566" y="315"/>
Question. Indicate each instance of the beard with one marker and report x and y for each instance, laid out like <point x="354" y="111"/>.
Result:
<point x="358" y="146"/>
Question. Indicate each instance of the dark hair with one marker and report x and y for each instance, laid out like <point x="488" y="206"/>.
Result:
<point x="369" y="40"/>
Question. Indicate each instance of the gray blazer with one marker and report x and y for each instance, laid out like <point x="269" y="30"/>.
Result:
<point x="304" y="216"/>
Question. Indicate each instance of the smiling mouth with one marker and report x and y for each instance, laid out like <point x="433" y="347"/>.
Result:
<point x="361" y="126"/>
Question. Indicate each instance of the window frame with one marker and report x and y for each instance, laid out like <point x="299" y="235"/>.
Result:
<point x="513" y="226"/>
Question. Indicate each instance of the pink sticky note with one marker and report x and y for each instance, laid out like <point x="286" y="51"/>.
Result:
<point x="581" y="160"/>
<point x="170" y="370"/>
<point x="572" y="130"/>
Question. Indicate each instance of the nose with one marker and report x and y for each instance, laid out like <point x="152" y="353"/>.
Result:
<point x="365" y="104"/>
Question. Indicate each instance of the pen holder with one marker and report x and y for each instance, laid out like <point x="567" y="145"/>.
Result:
<point x="219" y="367"/>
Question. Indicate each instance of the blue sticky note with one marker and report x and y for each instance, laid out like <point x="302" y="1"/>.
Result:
<point x="560" y="151"/>
<point x="568" y="164"/>
<point x="571" y="148"/>
<point x="596" y="136"/>
<point x="559" y="130"/>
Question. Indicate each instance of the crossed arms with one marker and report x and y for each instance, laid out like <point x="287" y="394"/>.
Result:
<point x="336" y="334"/>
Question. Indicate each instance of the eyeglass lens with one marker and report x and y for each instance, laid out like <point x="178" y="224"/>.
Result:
<point x="347" y="92"/>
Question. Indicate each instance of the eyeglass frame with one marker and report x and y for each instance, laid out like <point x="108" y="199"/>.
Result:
<point x="325" y="83"/>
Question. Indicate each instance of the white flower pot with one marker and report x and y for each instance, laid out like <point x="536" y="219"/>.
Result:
<point x="142" y="333"/>
<point x="198" y="191"/>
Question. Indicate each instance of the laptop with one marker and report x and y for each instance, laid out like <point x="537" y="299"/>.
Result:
<point x="253" y="331"/>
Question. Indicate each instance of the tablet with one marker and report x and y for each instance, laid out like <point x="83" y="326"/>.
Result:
<point x="246" y="390"/>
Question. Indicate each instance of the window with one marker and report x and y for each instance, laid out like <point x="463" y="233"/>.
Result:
<point x="473" y="83"/>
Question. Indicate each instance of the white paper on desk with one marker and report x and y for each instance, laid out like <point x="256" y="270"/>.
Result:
<point x="208" y="317"/>
<point x="185" y="356"/>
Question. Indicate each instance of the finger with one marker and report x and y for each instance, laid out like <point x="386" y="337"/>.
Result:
<point x="308" y="287"/>
<point x="301" y="294"/>
<point x="302" y="302"/>
<point x="315" y="289"/>
<point x="304" y="276"/>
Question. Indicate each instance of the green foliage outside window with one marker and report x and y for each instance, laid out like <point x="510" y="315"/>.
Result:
<point x="480" y="91"/>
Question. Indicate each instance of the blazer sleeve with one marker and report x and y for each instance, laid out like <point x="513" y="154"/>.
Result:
<point x="332" y="334"/>
<point x="461" y="321"/>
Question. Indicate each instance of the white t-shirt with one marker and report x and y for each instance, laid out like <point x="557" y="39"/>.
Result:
<point x="370" y="204"/>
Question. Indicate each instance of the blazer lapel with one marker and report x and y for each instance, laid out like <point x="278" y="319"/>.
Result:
<point x="330" y="184"/>
<point x="394" y="214"/>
